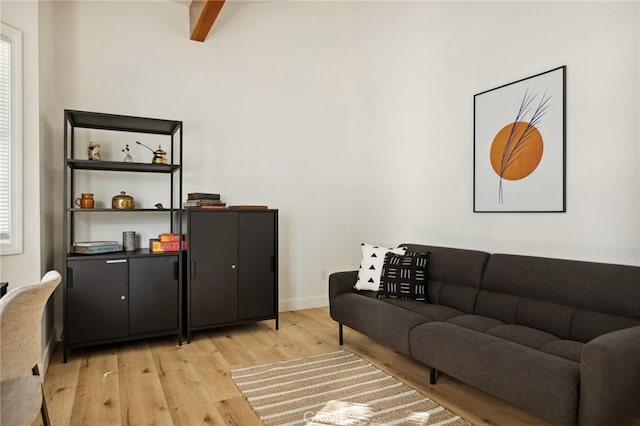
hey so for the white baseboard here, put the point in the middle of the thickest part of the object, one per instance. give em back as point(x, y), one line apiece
point(47, 352)
point(303, 303)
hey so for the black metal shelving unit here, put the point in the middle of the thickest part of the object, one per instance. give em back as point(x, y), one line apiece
point(111, 297)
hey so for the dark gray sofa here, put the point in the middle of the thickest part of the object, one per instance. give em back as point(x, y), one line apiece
point(559, 338)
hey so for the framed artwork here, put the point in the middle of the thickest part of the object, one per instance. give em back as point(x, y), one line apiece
point(519, 146)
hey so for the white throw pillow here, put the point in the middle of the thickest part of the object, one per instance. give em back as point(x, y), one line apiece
point(371, 265)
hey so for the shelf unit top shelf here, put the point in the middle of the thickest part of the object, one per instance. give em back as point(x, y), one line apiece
point(123, 123)
point(121, 166)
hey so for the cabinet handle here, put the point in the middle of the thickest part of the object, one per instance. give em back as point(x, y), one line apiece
point(117, 261)
point(69, 277)
point(233, 266)
point(123, 297)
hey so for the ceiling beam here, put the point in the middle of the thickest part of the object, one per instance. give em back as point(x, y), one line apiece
point(202, 14)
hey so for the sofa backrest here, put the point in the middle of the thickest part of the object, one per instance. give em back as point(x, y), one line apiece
point(454, 275)
point(571, 299)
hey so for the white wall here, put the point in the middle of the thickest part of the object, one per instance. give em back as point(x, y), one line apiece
point(25, 268)
point(355, 118)
point(38, 177)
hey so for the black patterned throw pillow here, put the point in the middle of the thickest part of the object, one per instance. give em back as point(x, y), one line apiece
point(404, 276)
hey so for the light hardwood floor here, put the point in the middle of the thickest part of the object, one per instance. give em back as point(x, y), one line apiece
point(156, 382)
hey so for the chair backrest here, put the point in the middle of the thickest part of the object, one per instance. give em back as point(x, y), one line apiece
point(20, 326)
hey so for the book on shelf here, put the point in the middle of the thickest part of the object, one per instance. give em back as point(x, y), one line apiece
point(168, 237)
point(96, 249)
point(95, 243)
point(157, 246)
point(202, 196)
point(221, 207)
point(248, 207)
point(201, 203)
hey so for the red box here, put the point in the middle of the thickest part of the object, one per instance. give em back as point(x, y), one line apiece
point(157, 246)
point(168, 237)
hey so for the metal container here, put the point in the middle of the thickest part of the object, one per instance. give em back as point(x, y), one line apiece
point(122, 201)
point(129, 240)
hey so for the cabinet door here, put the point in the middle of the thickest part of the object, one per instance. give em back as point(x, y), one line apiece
point(153, 294)
point(256, 274)
point(213, 247)
point(97, 300)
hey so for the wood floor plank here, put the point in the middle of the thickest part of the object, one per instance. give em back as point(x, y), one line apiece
point(97, 399)
point(237, 411)
point(233, 349)
point(142, 398)
point(212, 368)
point(60, 388)
point(188, 400)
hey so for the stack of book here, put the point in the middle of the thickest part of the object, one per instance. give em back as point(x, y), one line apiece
point(204, 200)
point(166, 243)
point(95, 247)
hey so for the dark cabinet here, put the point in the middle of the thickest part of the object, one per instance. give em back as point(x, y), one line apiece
point(97, 300)
point(232, 267)
point(153, 294)
point(213, 247)
point(117, 298)
point(257, 258)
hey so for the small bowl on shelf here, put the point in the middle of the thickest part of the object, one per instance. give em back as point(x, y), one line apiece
point(123, 202)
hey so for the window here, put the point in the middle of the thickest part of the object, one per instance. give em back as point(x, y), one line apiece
point(10, 140)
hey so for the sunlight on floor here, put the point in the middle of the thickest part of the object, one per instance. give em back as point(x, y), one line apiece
point(341, 413)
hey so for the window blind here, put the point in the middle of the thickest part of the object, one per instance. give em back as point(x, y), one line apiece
point(5, 139)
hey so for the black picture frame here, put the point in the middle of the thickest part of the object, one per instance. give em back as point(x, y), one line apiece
point(519, 146)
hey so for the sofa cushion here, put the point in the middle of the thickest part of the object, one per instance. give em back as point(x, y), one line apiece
point(404, 276)
point(384, 322)
point(428, 310)
point(569, 349)
point(588, 325)
point(532, 338)
point(498, 306)
point(544, 383)
point(522, 335)
point(571, 299)
point(551, 317)
point(475, 322)
point(454, 275)
point(371, 265)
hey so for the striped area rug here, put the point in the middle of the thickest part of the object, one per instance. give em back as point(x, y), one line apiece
point(337, 388)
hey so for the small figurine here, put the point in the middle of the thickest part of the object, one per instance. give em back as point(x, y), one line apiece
point(127, 158)
point(94, 151)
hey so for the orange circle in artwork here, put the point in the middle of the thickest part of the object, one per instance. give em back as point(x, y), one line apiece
point(513, 156)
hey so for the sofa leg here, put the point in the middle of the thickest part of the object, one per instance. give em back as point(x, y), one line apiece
point(340, 338)
point(433, 376)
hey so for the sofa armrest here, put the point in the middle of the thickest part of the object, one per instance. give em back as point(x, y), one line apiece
point(610, 378)
point(341, 282)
